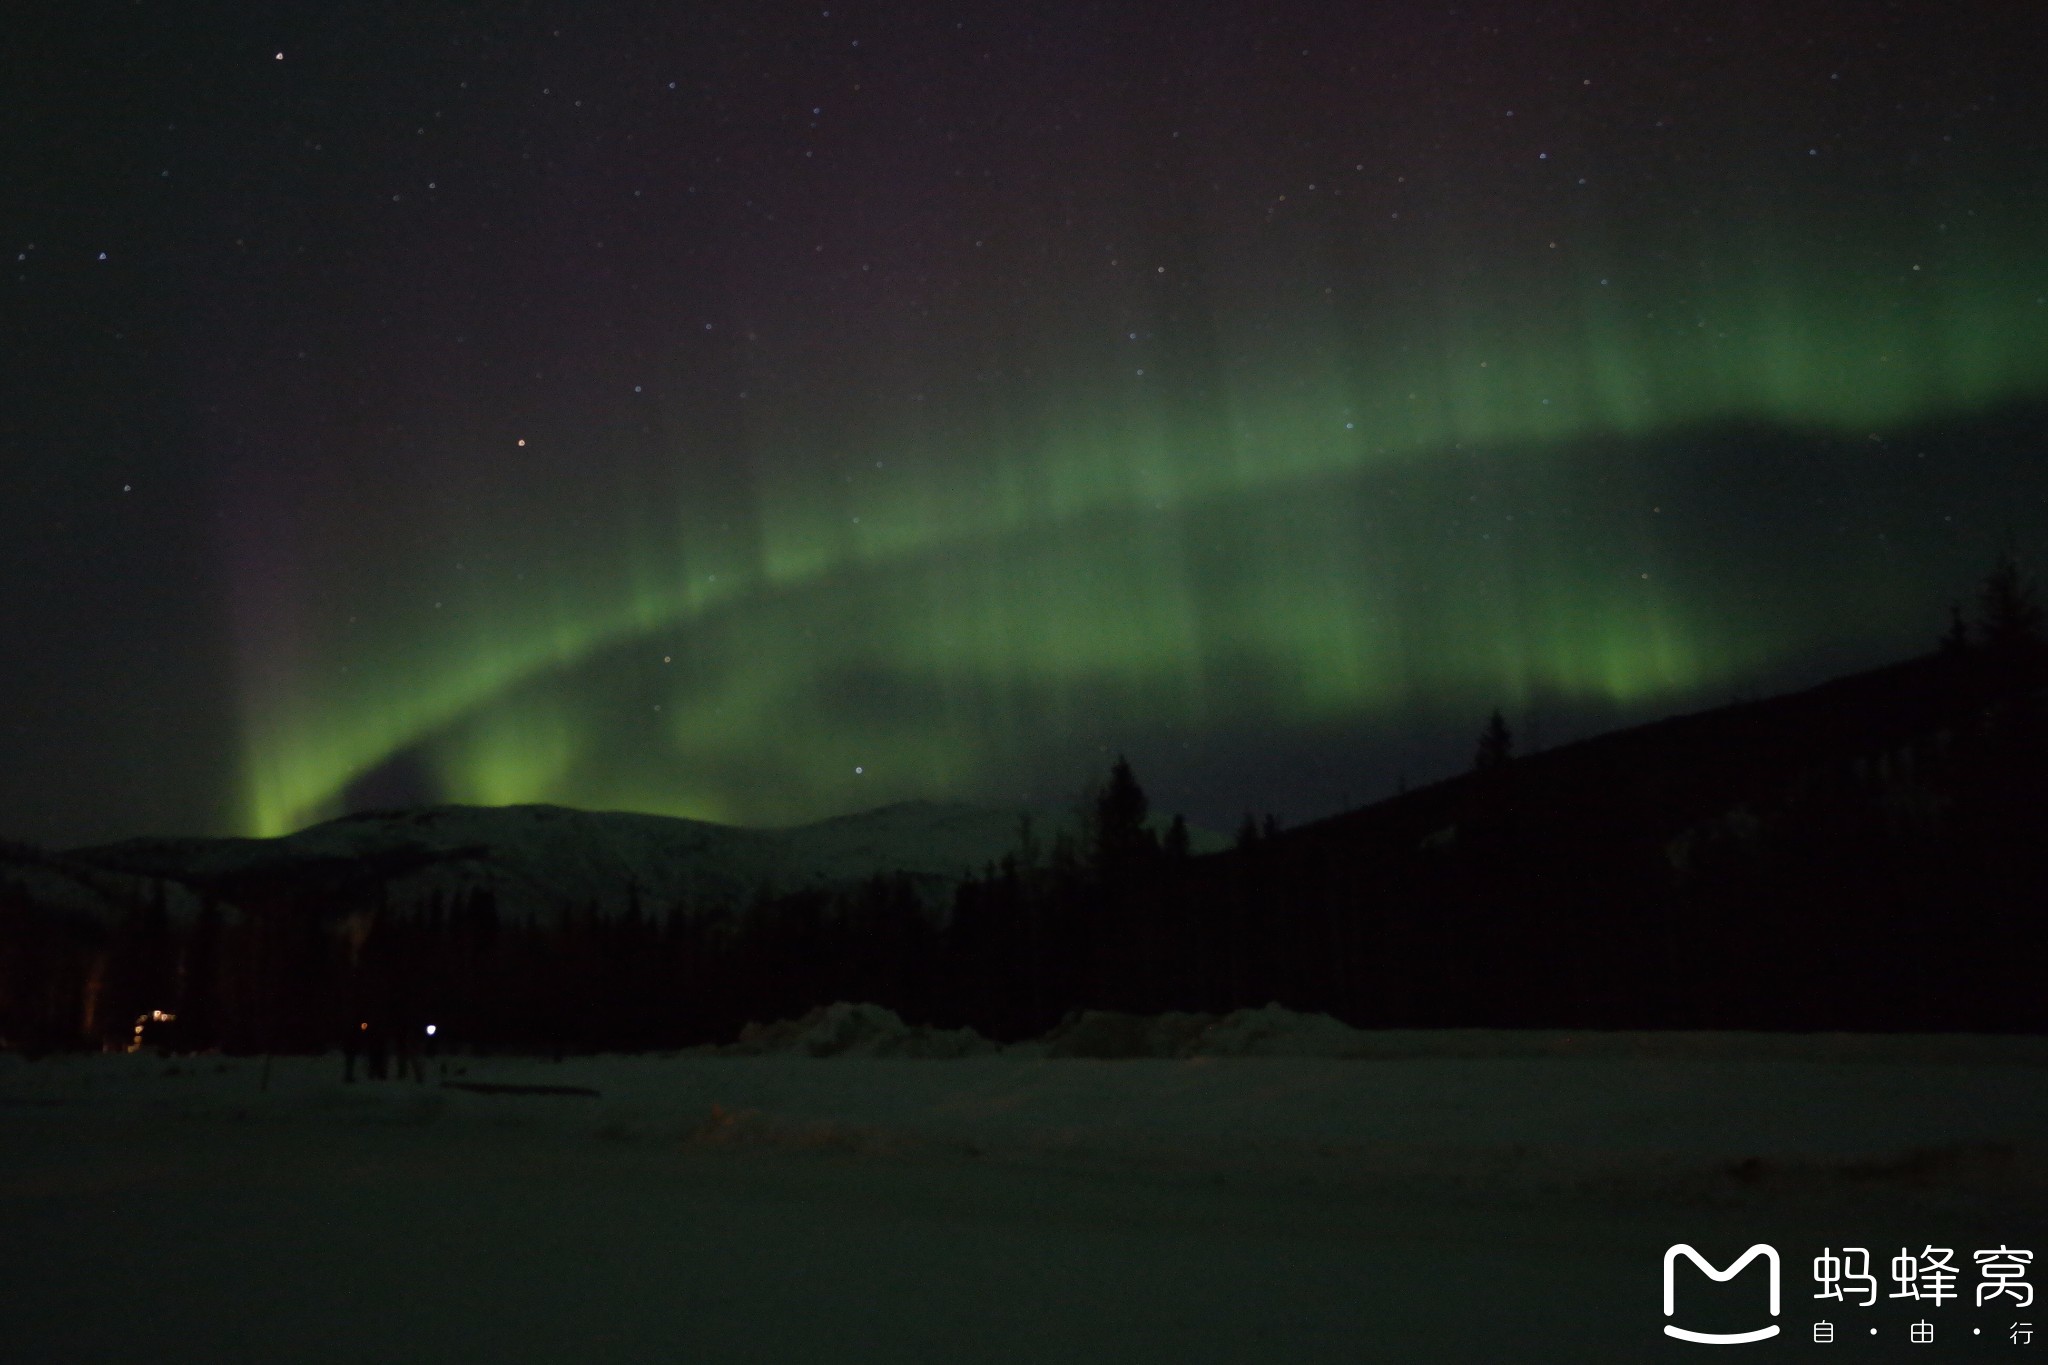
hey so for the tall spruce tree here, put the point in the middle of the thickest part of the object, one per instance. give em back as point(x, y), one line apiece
point(2009, 612)
point(1120, 838)
point(1955, 641)
point(1496, 744)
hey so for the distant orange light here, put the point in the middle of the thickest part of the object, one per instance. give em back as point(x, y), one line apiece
point(363, 1025)
point(143, 1021)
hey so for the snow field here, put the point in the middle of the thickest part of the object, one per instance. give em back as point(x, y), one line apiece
point(1443, 1198)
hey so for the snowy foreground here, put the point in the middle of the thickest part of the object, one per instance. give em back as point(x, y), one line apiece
point(1432, 1197)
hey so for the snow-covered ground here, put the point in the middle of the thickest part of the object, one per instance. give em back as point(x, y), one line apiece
point(1443, 1197)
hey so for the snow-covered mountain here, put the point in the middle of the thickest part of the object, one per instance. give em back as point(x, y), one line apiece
point(539, 859)
point(59, 884)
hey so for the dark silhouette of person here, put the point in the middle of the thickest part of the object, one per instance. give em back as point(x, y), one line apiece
point(409, 1040)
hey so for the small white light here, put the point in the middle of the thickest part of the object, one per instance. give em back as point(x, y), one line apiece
point(430, 1030)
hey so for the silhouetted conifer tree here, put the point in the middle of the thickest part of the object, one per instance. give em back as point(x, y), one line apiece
point(1119, 837)
point(1029, 854)
point(2010, 611)
point(1496, 744)
point(1955, 641)
point(1247, 833)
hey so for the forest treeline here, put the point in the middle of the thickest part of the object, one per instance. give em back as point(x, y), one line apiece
point(1870, 854)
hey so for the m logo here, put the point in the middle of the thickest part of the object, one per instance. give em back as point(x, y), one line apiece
point(1671, 1255)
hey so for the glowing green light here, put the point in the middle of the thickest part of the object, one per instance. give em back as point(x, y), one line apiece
point(1291, 538)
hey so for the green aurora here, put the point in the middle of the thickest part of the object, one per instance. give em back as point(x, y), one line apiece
point(762, 411)
point(1160, 512)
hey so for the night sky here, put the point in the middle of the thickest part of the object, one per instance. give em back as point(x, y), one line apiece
point(759, 412)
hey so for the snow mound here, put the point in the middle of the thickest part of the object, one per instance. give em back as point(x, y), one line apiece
point(850, 1030)
point(1273, 1031)
point(1111, 1034)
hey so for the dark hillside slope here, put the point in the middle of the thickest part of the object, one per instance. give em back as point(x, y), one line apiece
point(1867, 853)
